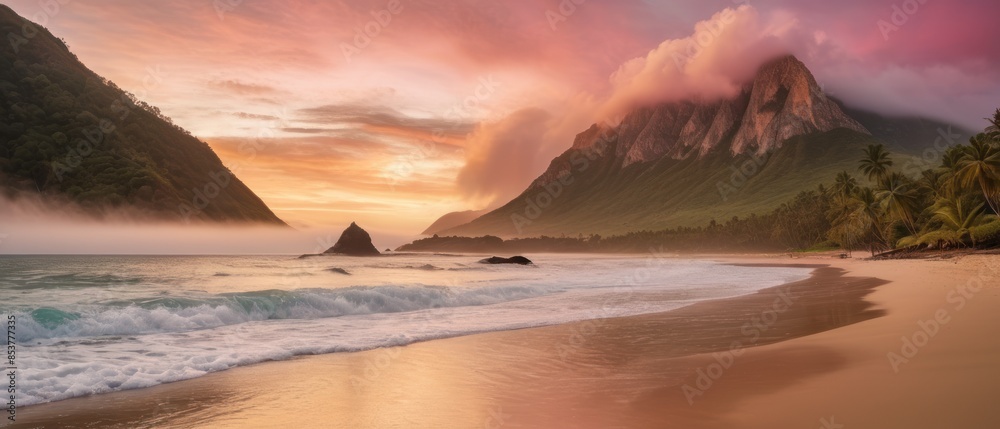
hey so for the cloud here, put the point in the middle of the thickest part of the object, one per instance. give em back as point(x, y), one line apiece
point(31, 225)
point(384, 120)
point(243, 88)
point(381, 117)
point(369, 118)
point(255, 116)
point(321, 181)
point(715, 61)
point(301, 130)
point(502, 157)
point(917, 91)
point(721, 54)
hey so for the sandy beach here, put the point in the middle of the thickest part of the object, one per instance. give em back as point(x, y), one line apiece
point(861, 344)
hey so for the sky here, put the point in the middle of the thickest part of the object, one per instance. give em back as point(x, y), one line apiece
point(395, 112)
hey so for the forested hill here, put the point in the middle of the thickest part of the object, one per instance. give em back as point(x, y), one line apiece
point(68, 134)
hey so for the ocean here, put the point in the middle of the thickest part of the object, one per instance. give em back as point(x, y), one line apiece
point(94, 324)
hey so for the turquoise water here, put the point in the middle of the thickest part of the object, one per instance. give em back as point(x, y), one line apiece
point(94, 324)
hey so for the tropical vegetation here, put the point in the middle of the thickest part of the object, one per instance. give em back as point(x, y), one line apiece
point(68, 135)
point(951, 205)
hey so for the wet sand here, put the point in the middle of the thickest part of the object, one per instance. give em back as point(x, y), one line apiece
point(808, 354)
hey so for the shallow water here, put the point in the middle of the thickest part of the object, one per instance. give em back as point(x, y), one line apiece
point(93, 324)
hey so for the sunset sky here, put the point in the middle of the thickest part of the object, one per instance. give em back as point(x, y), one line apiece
point(456, 105)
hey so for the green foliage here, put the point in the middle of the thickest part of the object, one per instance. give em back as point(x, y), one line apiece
point(940, 239)
point(987, 233)
point(980, 166)
point(605, 198)
point(800, 223)
point(960, 213)
point(952, 205)
point(876, 162)
point(994, 129)
point(945, 207)
point(899, 199)
point(66, 132)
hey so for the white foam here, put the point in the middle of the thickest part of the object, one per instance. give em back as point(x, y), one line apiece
point(91, 320)
point(117, 346)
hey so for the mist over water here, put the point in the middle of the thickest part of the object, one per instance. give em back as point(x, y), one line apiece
point(172, 302)
point(29, 226)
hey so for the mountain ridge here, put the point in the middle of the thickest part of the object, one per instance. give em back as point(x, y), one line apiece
point(68, 134)
point(453, 219)
point(685, 163)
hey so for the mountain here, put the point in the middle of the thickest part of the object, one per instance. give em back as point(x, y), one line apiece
point(689, 162)
point(912, 135)
point(452, 220)
point(69, 135)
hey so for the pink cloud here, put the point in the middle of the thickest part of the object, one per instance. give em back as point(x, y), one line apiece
point(502, 156)
point(720, 55)
point(600, 59)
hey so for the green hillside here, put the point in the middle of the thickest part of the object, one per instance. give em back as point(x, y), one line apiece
point(68, 134)
point(910, 134)
point(688, 163)
point(604, 199)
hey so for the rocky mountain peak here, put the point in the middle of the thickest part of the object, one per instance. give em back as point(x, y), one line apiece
point(785, 101)
point(782, 101)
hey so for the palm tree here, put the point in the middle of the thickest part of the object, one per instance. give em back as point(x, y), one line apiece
point(845, 185)
point(869, 214)
point(846, 225)
point(958, 214)
point(961, 213)
point(935, 182)
point(980, 164)
point(899, 199)
point(994, 129)
point(876, 162)
point(952, 158)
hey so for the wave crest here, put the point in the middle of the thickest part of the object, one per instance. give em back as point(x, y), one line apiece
point(156, 315)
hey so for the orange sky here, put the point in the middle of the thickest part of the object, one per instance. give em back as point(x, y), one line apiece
point(453, 105)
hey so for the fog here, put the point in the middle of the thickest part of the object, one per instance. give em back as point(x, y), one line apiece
point(29, 226)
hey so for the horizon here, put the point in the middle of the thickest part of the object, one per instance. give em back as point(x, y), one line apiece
point(371, 134)
point(488, 213)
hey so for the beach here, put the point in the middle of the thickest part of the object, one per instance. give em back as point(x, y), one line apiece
point(880, 344)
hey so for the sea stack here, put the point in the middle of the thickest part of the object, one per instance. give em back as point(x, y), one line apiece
point(354, 241)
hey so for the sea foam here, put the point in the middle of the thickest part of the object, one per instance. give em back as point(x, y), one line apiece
point(175, 320)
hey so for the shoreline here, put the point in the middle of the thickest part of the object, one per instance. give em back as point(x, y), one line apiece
point(636, 371)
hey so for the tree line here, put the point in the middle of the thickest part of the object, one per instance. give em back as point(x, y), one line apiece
point(951, 205)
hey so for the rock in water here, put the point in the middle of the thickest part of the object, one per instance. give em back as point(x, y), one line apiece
point(354, 242)
point(521, 260)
